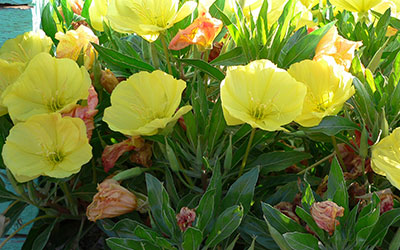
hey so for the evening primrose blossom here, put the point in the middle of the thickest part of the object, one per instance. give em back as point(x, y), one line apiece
point(48, 145)
point(145, 103)
point(47, 85)
point(261, 95)
point(147, 18)
point(98, 13)
point(14, 56)
point(360, 6)
point(385, 158)
point(328, 88)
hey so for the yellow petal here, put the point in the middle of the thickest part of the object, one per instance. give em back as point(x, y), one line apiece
point(360, 6)
point(97, 13)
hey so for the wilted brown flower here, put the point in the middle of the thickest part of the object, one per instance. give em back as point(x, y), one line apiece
point(143, 155)
point(108, 80)
point(325, 213)
point(185, 218)
point(111, 201)
point(287, 209)
point(355, 191)
point(386, 202)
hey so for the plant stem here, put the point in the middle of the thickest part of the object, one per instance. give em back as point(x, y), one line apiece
point(246, 154)
point(164, 44)
point(22, 227)
point(317, 163)
point(9, 207)
point(154, 55)
point(71, 202)
point(339, 156)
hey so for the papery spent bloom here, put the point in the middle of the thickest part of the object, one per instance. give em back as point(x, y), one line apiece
point(325, 214)
point(262, 95)
point(386, 203)
point(287, 209)
point(328, 88)
point(76, 42)
point(98, 13)
point(145, 103)
point(201, 32)
point(360, 6)
point(86, 112)
point(185, 218)
point(48, 145)
point(385, 158)
point(14, 56)
point(147, 18)
point(111, 200)
point(47, 85)
point(142, 155)
point(337, 47)
point(112, 153)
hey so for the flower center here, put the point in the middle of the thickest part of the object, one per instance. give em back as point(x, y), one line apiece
point(56, 103)
point(55, 157)
point(324, 101)
point(260, 111)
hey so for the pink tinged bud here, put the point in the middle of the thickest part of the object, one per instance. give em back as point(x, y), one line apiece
point(325, 213)
point(386, 203)
point(112, 200)
point(112, 153)
point(185, 218)
point(86, 113)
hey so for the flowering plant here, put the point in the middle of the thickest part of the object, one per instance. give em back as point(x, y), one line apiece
point(211, 124)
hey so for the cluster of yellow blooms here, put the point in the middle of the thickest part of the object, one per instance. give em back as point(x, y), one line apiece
point(36, 89)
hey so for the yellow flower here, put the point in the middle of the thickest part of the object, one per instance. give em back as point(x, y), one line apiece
point(310, 3)
point(275, 10)
point(9, 73)
point(15, 54)
point(46, 145)
point(261, 95)
point(248, 6)
point(26, 46)
point(74, 42)
point(337, 47)
point(360, 6)
point(112, 200)
point(47, 85)
point(147, 18)
point(328, 88)
point(145, 103)
point(97, 13)
point(385, 158)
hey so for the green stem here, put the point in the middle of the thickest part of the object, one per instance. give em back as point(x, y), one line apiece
point(71, 202)
point(246, 154)
point(22, 227)
point(339, 156)
point(317, 163)
point(154, 56)
point(164, 44)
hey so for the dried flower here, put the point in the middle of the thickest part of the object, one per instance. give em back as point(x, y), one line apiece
point(185, 218)
point(287, 209)
point(142, 155)
point(108, 80)
point(386, 203)
point(111, 200)
point(325, 213)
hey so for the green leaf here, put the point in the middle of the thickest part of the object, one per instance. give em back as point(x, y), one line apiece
point(43, 237)
point(121, 60)
point(192, 239)
point(278, 238)
point(173, 161)
point(129, 244)
point(217, 125)
point(124, 228)
point(241, 192)
point(305, 47)
point(301, 241)
point(48, 24)
point(381, 228)
point(205, 210)
point(308, 198)
point(85, 10)
point(307, 218)
point(230, 58)
point(332, 125)
point(252, 227)
point(337, 190)
point(205, 67)
point(279, 221)
point(364, 227)
point(277, 161)
point(225, 225)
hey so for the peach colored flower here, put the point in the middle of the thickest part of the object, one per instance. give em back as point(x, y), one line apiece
point(111, 200)
point(185, 218)
point(325, 213)
point(201, 32)
point(112, 153)
point(337, 47)
point(86, 113)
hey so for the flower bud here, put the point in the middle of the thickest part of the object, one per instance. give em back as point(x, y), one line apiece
point(325, 213)
point(108, 80)
point(185, 218)
point(111, 200)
